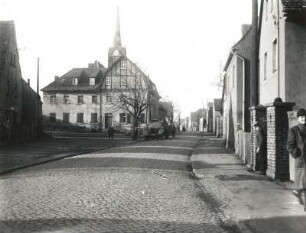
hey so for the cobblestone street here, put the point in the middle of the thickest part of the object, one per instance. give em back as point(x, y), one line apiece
point(145, 187)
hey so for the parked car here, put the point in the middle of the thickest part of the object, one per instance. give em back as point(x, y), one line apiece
point(156, 130)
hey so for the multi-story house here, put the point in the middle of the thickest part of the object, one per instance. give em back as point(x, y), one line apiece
point(19, 119)
point(282, 67)
point(90, 98)
point(282, 51)
point(236, 95)
point(72, 101)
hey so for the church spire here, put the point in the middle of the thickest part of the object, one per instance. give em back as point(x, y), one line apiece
point(117, 40)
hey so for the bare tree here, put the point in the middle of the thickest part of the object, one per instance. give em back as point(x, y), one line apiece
point(132, 97)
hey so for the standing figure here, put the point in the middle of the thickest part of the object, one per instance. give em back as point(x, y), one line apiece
point(173, 130)
point(111, 133)
point(260, 153)
point(296, 148)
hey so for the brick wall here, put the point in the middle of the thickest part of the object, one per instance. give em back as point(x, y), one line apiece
point(277, 131)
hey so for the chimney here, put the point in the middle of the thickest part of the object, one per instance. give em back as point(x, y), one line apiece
point(29, 82)
point(56, 78)
point(245, 28)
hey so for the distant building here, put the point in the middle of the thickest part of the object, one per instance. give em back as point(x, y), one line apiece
point(166, 111)
point(85, 98)
point(217, 118)
point(20, 106)
point(209, 117)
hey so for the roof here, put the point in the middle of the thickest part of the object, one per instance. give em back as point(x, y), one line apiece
point(151, 86)
point(295, 11)
point(64, 83)
point(294, 5)
point(7, 33)
point(238, 47)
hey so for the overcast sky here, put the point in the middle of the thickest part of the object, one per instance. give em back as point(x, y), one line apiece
point(178, 43)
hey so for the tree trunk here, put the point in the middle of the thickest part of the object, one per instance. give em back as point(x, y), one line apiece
point(135, 129)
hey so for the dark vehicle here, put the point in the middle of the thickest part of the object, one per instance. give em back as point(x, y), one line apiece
point(155, 130)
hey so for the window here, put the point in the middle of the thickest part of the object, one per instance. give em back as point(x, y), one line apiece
point(92, 81)
point(52, 117)
point(94, 99)
point(53, 99)
point(274, 55)
point(108, 82)
point(123, 64)
point(66, 99)
point(137, 81)
point(66, 117)
point(123, 82)
point(80, 99)
point(265, 66)
point(108, 98)
point(125, 118)
point(142, 118)
point(94, 118)
point(122, 117)
point(75, 81)
point(128, 116)
point(80, 118)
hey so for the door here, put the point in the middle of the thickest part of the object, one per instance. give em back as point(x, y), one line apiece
point(108, 120)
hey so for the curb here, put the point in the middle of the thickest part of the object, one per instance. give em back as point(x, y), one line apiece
point(228, 223)
point(55, 158)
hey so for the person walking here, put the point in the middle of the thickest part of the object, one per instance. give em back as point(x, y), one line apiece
point(111, 133)
point(297, 149)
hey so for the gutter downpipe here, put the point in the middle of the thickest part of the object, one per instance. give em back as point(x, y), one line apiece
point(254, 89)
point(278, 51)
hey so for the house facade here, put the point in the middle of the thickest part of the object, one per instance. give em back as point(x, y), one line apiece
point(18, 118)
point(282, 53)
point(236, 96)
point(72, 101)
point(282, 65)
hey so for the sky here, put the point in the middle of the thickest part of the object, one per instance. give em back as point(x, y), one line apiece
point(181, 44)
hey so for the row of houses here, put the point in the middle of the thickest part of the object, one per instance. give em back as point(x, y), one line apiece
point(20, 105)
point(264, 81)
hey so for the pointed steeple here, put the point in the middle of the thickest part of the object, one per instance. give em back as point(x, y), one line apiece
point(117, 39)
point(117, 51)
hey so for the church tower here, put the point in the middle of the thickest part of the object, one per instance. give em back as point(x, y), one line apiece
point(117, 50)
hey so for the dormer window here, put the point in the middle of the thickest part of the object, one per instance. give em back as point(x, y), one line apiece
point(75, 81)
point(92, 81)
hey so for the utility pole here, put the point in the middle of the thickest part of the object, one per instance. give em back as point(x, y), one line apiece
point(38, 117)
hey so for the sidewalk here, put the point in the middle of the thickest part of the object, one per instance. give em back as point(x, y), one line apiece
point(256, 203)
point(59, 146)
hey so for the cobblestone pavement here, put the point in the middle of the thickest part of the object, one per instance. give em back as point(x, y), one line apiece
point(145, 187)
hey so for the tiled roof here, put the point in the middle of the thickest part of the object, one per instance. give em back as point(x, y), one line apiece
point(294, 5)
point(64, 83)
point(295, 11)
